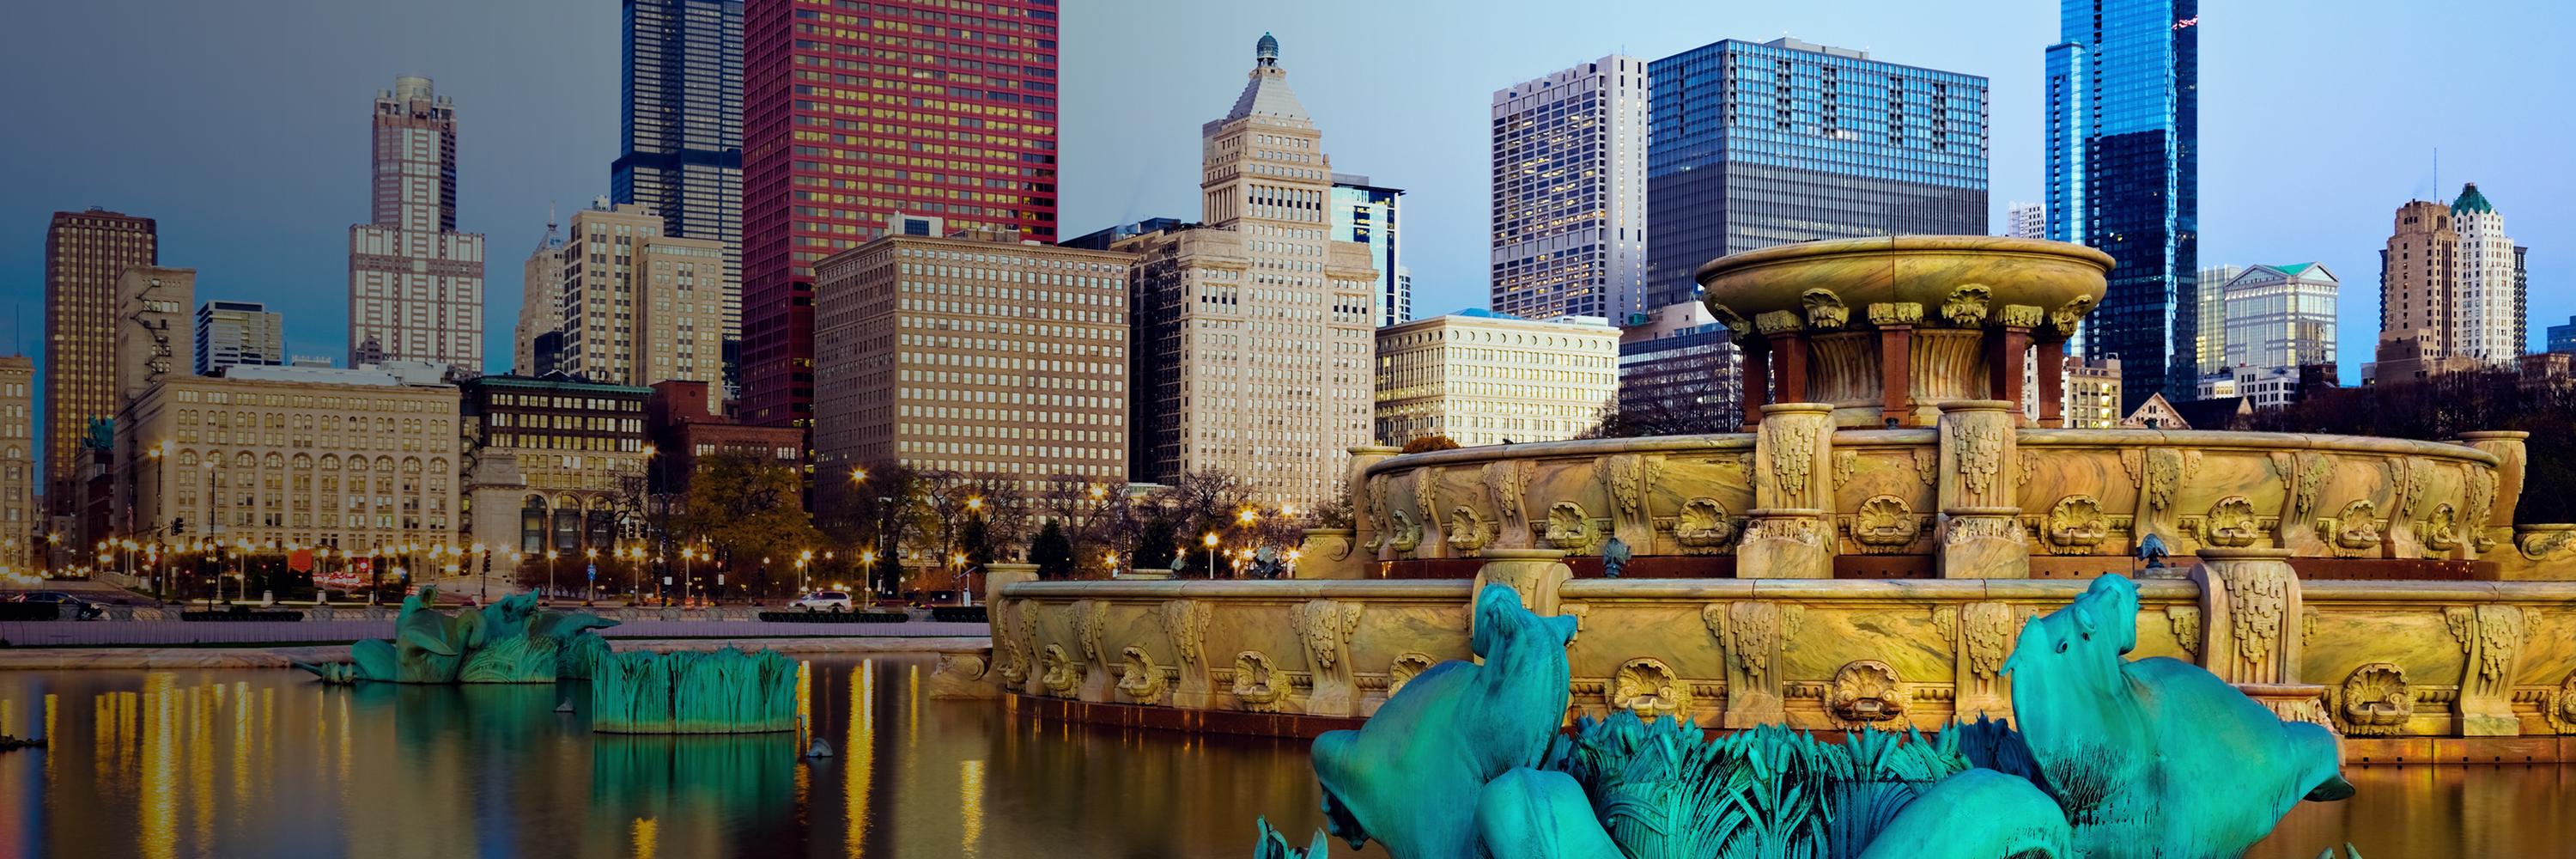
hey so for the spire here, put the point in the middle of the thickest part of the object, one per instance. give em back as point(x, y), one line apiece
point(1265, 53)
point(1268, 94)
point(2471, 201)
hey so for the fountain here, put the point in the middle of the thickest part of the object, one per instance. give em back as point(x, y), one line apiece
point(2112, 758)
point(1862, 556)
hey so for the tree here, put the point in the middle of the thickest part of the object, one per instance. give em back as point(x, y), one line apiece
point(882, 510)
point(975, 542)
point(1431, 442)
point(1154, 544)
point(747, 506)
point(1052, 551)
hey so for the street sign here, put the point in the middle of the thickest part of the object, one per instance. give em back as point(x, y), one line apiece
point(666, 580)
point(300, 560)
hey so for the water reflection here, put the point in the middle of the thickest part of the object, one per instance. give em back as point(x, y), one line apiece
point(267, 763)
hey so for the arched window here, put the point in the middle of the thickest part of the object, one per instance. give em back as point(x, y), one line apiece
point(303, 462)
point(330, 462)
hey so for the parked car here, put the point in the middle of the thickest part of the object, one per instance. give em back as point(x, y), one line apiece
point(79, 608)
point(823, 601)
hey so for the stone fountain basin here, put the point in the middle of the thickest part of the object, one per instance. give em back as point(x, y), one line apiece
point(1927, 271)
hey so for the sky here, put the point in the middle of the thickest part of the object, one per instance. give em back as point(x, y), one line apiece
point(242, 126)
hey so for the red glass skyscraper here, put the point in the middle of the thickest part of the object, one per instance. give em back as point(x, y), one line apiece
point(855, 112)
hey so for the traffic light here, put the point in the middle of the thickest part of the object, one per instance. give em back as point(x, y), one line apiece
point(178, 524)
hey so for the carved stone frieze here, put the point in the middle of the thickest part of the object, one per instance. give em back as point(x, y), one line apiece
point(2478, 505)
point(1981, 453)
point(1257, 684)
point(2418, 473)
point(2075, 524)
point(1866, 691)
point(1895, 313)
point(2492, 638)
point(2134, 461)
point(1569, 528)
point(1846, 463)
point(1964, 529)
point(1404, 668)
point(1927, 465)
point(2353, 531)
point(1062, 675)
point(1989, 630)
point(1885, 523)
point(2167, 469)
point(1649, 687)
point(1825, 310)
point(1778, 322)
point(2185, 621)
point(2231, 522)
point(1009, 648)
point(1508, 481)
point(2375, 701)
point(1325, 628)
point(2022, 316)
point(1381, 527)
point(2067, 316)
point(1138, 678)
point(1793, 456)
point(1802, 531)
point(2546, 544)
point(1966, 306)
point(2257, 599)
point(1026, 631)
point(1185, 623)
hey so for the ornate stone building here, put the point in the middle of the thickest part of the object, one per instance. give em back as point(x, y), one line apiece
point(1253, 331)
point(1483, 378)
point(21, 524)
point(553, 463)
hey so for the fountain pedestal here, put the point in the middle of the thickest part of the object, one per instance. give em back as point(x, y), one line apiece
point(1789, 534)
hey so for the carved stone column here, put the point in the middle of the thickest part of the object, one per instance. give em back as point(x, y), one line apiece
point(2492, 637)
point(2252, 624)
point(1753, 635)
point(1757, 381)
point(2052, 383)
point(1325, 628)
point(1788, 336)
point(2003, 350)
point(1367, 504)
point(1981, 536)
point(1185, 623)
point(1981, 636)
point(2506, 488)
point(1535, 573)
point(1895, 323)
point(1789, 533)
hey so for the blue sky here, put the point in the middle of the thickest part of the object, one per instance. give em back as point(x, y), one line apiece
point(242, 125)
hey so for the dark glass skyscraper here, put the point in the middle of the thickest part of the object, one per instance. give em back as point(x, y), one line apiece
point(2123, 176)
point(1759, 144)
point(681, 133)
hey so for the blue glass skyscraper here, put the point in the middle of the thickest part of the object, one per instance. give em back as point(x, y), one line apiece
point(2123, 176)
point(680, 134)
point(1759, 144)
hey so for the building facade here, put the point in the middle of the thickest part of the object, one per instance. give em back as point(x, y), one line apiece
point(415, 283)
point(2209, 328)
point(638, 306)
point(975, 357)
point(553, 464)
point(2562, 338)
point(1365, 213)
point(1677, 368)
point(152, 331)
point(855, 113)
point(1569, 187)
point(1483, 378)
point(1252, 332)
point(2026, 220)
point(2123, 175)
point(1756, 144)
point(238, 332)
point(540, 307)
point(683, 430)
point(2490, 304)
point(2280, 317)
point(352, 459)
point(680, 134)
point(22, 525)
point(2093, 395)
point(2418, 297)
point(85, 255)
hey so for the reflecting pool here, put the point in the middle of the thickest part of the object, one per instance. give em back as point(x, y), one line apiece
point(270, 763)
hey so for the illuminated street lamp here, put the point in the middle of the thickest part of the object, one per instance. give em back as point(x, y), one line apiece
point(590, 581)
point(1209, 539)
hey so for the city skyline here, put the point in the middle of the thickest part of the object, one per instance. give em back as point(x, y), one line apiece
point(272, 228)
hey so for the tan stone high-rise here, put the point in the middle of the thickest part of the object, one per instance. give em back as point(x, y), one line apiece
point(415, 283)
point(154, 337)
point(21, 525)
point(1484, 378)
point(540, 304)
point(85, 253)
point(1253, 331)
point(641, 307)
point(2418, 298)
point(972, 356)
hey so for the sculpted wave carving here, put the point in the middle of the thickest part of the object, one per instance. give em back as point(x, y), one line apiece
point(1325, 627)
point(2313, 468)
point(2354, 530)
point(1805, 532)
point(1927, 465)
point(2075, 524)
point(1846, 463)
point(1965, 529)
point(2167, 468)
point(1866, 691)
point(1509, 481)
point(1062, 674)
point(1624, 475)
point(1380, 524)
point(1569, 528)
point(2256, 602)
point(1649, 687)
point(1404, 668)
point(1013, 655)
point(1425, 497)
point(1138, 678)
point(2185, 621)
point(1257, 684)
point(2375, 701)
point(1966, 306)
point(1825, 310)
point(1468, 532)
point(1981, 453)
point(1884, 523)
point(1793, 456)
point(2419, 479)
point(2440, 531)
point(2479, 504)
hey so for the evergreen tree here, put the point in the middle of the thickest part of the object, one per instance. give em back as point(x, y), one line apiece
point(976, 541)
point(1154, 547)
point(1052, 551)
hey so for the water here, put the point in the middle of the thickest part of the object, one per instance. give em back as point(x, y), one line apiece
point(268, 763)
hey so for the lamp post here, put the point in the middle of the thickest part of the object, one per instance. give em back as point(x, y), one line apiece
point(957, 572)
point(590, 581)
point(688, 583)
point(1209, 539)
point(868, 561)
point(482, 557)
point(802, 558)
point(550, 574)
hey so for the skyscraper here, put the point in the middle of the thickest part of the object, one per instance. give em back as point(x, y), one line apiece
point(1759, 144)
point(2489, 310)
point(1366, 213)
point(1252, 331)
point(238, 332)
point(415, 283)
point(1569, 186)
point(2209, 329)
point(680, 153)
point(2026, 220)
point(152, 332)
point(19, 518)
point(540, 307)
point(2279, 317)
point(85, 254)
point(640, 307)
point(853, 114)
point(2123, 175)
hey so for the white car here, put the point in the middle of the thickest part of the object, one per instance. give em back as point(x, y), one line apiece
point(823, 601)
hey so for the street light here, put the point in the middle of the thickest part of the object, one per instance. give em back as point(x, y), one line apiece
point(687, 584)
point(868, 559)
point(1210, 540)
point(957, 572)
point(590, 581)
